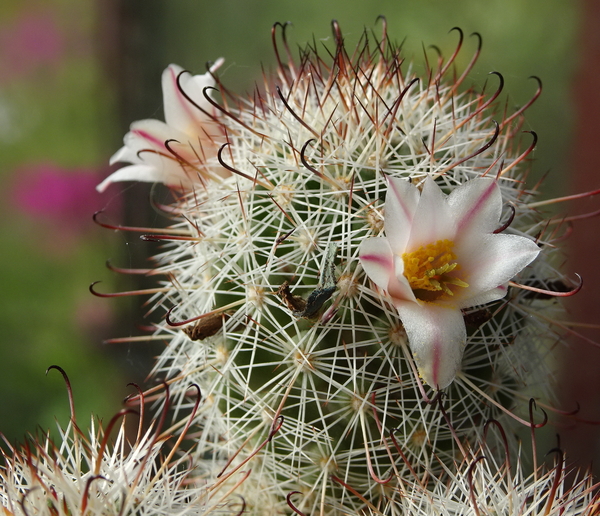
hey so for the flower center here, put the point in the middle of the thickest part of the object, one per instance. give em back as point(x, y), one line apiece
point(430, 270)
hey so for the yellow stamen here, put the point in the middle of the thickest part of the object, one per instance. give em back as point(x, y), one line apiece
point(428, 270)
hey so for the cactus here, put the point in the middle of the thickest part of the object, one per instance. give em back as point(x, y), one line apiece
point(358, 280)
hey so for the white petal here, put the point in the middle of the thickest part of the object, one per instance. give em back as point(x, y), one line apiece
point(180, 113)
point(152, 132)
point(378, 262)
point(400, 204)
point(490, 261)
point(124, 155)
point(432, 219)
point(146, 135)
point(476, 206)
point(437, 338)
point(483, 298)
point(196, 85)
point(150, 135)
point(133, 173)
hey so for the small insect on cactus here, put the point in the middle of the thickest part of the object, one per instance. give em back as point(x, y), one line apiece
point(356, 262)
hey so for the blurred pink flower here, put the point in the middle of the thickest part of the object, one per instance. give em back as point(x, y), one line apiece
point(30, 40)
point(61, 201)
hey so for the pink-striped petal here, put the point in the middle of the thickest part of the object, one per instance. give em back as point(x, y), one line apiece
point(151, 160)
point(491, 260)
point(380, 265)
point(432, 219)
point(476, 206)
point(400, 205)
point(437, 338)
point(180, 113)
point(146, 135)
point(377, 260)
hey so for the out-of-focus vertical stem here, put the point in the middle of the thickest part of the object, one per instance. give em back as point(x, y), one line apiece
point(131, 37)
point(581, 374)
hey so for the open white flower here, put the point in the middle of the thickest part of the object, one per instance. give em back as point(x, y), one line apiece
point(190, 128)
point(440, 255)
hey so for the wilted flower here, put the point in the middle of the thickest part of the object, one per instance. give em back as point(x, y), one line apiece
point(176, 151)
point(439, 256)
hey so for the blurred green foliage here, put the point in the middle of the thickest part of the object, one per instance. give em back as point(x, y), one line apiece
point(65, 113)
point(52, 115)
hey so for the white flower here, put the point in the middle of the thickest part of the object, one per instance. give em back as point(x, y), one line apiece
point(440, 255)
point(190, 122)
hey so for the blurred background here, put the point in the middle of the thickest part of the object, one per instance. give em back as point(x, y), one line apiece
point(75, 73)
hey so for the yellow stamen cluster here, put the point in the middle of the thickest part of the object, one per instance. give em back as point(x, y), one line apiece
point(429, 267)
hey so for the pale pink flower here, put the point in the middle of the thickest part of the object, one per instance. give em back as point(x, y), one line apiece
point(440, 255)
point(174, 152)
point(58, 201)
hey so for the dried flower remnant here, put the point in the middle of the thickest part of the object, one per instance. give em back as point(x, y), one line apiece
point(312, 401)
point(206, 327)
